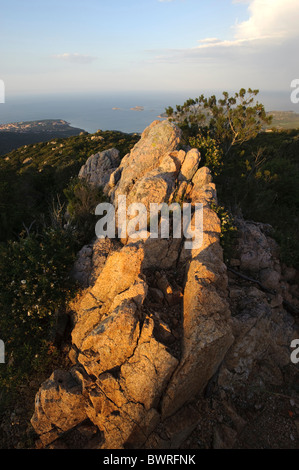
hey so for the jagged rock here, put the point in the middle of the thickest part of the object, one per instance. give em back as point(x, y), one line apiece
point(158, 141)
point(99, 167)
point(161, 253)
point(270, 278)
point(190, 165)
point(59, 405)
point(207, 336)
point(154, 187)
point(276, 301)
point(138, 373)
point(179, 156)
point(113, 180)
point(262, 338)
point(152, 326)
point(119, 274)
point(145, 375)
point(254, 247)
point(90, 261)
point(203, 188)
point(98, 351)
point(202, 177)
point(121, 420)
point(263, 330)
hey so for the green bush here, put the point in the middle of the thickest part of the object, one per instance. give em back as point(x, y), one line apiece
point(82, 200)
point(231, 120)
point(228, 230)
point(34, 287)
point(210, 152)
point(261, 179)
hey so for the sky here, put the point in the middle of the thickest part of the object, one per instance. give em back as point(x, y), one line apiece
point(58, 46)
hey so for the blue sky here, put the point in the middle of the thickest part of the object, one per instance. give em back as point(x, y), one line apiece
point(108, 45)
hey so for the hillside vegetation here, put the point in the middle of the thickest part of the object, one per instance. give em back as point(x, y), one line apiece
point(32, 176)
point(256, 172)
point(38, 244)
point(17, 134)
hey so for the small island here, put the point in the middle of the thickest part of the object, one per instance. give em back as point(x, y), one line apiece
point(137, 108)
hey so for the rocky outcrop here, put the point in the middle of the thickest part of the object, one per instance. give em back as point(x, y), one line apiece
point(259, 296)
point(153, 323)
point(99, 167)
point(153, 326)
point(156, 143)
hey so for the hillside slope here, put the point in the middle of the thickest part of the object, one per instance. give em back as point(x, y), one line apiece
point(18, 134)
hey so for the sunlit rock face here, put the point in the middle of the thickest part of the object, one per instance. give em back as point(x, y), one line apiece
point(152, 324)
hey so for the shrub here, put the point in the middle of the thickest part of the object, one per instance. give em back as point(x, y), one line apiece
point(82, 200)
point(210, 152)
point(231, 120)
point(34, 287)
point(228, 230)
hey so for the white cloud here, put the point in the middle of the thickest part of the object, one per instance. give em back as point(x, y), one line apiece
point(209, 40)
point(75, 58)
point(270, 18)
point(262, 49)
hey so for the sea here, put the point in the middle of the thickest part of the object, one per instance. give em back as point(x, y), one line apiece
point(123, 111)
